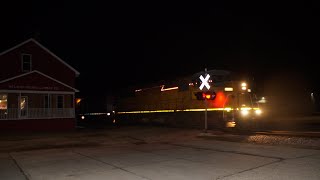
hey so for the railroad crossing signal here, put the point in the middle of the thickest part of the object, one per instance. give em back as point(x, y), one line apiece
point(204, 82)
point(205, 95)
point(199, 95)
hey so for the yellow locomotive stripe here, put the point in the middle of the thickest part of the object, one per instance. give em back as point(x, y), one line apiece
point(184, 110)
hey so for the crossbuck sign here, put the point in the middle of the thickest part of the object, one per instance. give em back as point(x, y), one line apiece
point(204, 82)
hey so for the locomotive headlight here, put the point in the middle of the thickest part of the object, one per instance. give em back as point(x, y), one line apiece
point(244, 86)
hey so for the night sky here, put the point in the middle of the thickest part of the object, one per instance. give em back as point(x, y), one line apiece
point(116, 45)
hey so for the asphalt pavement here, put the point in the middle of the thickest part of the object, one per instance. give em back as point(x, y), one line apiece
point(152, 153)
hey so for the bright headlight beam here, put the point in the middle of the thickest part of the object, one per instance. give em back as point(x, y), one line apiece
point(244, 112)
point(258, 111)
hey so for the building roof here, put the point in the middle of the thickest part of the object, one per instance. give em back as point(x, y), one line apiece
point(44, 48)
point(38, 72)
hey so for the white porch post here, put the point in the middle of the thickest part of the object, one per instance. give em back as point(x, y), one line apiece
point(48, 105)
point(74, 107)
point(19, 105)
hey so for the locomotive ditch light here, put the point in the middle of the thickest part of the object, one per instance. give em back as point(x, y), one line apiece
point(244, 112)
point(258, 111)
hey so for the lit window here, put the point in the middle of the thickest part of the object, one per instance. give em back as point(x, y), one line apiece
point(23, 103)
point(3, 101)
point(23, 106)
point(26, 62)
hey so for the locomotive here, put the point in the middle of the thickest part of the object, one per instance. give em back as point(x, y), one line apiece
point(229, 102)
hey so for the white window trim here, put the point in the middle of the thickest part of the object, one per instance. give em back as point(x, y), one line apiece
point(23, 54)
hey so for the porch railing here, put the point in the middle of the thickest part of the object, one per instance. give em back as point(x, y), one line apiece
point(36, 113)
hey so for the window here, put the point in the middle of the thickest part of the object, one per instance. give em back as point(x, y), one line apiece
point(245, 99)
point(3, 101)
point(26, 62)
point(23, 106)
point(60, 102)
point(46, 101)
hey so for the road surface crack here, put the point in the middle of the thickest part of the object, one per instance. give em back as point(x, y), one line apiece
point(116, 167)
point(19, 167)
point(226, 151)
point(277, 161)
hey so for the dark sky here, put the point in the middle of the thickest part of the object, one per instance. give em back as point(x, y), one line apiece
point(115, 45)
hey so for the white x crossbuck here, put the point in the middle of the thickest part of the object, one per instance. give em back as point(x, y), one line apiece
point(204, 82)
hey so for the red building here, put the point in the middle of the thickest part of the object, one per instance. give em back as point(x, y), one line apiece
point(37, 89)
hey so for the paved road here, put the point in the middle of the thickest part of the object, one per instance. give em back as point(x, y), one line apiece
point(292, 123)
point(158, 153)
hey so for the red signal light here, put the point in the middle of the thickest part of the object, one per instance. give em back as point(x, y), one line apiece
point(210, 95)
point(205, 95)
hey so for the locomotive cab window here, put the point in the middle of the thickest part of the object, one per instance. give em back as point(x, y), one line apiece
point(245, 100)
